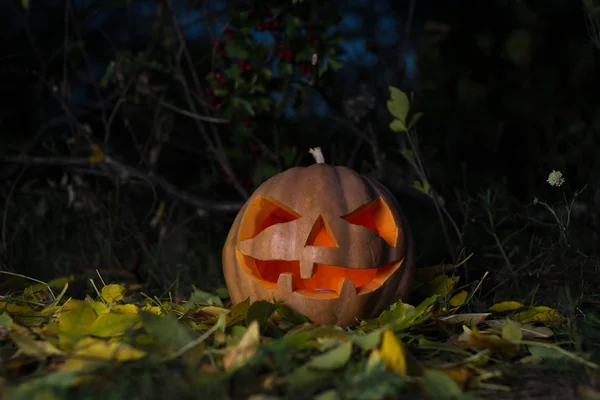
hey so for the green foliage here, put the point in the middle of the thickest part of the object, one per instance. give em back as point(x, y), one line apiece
point(369, 361)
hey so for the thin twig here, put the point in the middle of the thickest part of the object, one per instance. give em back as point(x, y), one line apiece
point(217, 152)
point(202, 204)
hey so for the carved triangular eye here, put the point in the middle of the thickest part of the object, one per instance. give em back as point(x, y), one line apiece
point(377, 217)
point(261, 214)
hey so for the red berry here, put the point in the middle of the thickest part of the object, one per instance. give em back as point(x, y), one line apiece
point(275, 24)
point(220, 78)
point(242, 63)
point(209, 91)
point(229, 180)
point(218, 106)
point(248, 67)
point(261, 28)
point(269, 13)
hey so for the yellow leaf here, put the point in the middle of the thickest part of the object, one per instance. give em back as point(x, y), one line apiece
point(97, 154)
point(113, 292)
point(152, 309)
point(125, 308)
point(38, 349)
point(99, 307)
point(75, 317)
point(214, 310)
point(538, 314)
point(460, 375)
point(113, 324)
point(481, 341)
point(91, 351)
point(392, 352)
point(239, 354)
point(511, 331)
point(506, 306)
point(24, 315)
point(459, 298)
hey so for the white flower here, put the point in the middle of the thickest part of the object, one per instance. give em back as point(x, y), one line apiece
point(555, 178)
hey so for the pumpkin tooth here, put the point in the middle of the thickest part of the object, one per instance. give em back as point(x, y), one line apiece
point(285, 283)
point(307, 269)
point(346, 289)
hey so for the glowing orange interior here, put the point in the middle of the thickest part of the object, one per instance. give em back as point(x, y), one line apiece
point(377, 217)
point(326, 280)
point(325, 277)
point(261, 214)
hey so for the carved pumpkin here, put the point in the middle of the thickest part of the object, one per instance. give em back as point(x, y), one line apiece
point(334, 245)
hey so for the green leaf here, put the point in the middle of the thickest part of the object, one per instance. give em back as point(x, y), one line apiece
point(239, 103)
point(439, 385)
point(332, 359)
point(201, 298)
point(398, 105)
point(367, 341)
point(238, 313)
point(5, 320)
point(112, 324)
point(166, 330)
point(414, 119)
point(260, 311)
point(285, 69)
point(236, 49)
point(335, 63)
point(510, 331)
point(409, 315)
point(546, 352)
point(398, 126)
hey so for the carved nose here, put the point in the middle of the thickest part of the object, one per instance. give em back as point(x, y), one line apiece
point(320, 234)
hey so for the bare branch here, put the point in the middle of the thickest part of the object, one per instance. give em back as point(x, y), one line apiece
point(203, 205)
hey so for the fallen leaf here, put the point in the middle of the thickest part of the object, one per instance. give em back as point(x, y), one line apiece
point(480, 341)
point(392, 352)
point(529, 331)
point(332, 359)
point(113, 324)
point(469, 319)
point(113, 292)
point(367, 341)
point(27, 344)
point(538, 314)
point(459, 298)
point(75, 317)
point(89, 351)
point(511, 331)
point(438, 385)
point(238, 355)
point(506, 306)
point(460, 375)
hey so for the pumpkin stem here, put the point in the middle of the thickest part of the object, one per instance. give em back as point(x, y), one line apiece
point(318, 155)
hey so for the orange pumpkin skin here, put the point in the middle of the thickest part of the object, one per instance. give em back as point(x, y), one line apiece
point(333, 245)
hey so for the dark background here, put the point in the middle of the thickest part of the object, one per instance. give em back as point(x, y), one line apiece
point(508, 90)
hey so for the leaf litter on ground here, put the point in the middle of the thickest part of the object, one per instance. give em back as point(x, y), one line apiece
point(52, 344)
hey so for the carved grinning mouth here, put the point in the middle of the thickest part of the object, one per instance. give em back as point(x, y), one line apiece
point(326, 282)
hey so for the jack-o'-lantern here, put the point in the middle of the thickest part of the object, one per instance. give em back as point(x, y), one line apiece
point(330, 243)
